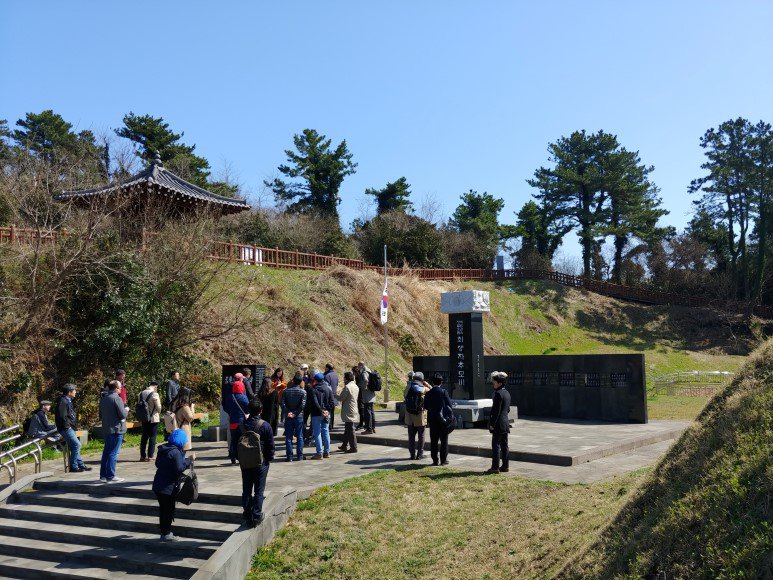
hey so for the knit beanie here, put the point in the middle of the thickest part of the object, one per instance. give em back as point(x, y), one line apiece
point(178, 438)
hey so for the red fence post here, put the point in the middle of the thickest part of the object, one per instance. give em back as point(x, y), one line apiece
point(13, 232)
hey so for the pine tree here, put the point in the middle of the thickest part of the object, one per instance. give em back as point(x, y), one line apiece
point(478, 214)
point(394, 196)
point(152, 135)
point(320, 171)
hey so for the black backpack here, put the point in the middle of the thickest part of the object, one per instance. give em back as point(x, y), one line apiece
point(249, 450)
point(142, 409)
point(414, 401)
point(374, 381)
point(187, 489)
point(26, 425)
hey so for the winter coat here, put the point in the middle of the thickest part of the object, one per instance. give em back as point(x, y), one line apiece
point(184, 415)
point(348, 398)
point(435, 400)
point(236, 409)
point(65, 417)
point(294, 400)
point(113, 413)
point(419, 420)
point(170, 463)
point(362, 379)
point(321, 399)
point(39, 425)
point(172, 388)
point(154, 404)
point(268, 413)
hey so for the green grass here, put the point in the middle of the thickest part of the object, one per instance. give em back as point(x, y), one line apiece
point(705, 510)
point(667, 407)
point(438, 523)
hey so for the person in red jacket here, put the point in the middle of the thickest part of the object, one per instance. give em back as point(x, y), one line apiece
point(120, 376)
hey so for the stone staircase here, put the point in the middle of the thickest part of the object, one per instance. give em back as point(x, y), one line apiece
point(69, 529)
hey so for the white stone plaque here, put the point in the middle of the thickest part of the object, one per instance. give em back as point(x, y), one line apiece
point(465, 301)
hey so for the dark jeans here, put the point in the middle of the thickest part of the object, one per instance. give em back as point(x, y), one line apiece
point(232, 444)
point(74, 448)
point(110, 455)
point(350, 437)
point(294, 427)
point(148, 441)
point(370, 420)
point(360, 410)
point(500, 448)
point(253, 487)
point(165, 512)
point(413, 449)
point(438, 435)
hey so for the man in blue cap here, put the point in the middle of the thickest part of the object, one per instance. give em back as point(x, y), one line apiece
point(322, 407)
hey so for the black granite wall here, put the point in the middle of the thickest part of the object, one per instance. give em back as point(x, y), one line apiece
point(606, 387)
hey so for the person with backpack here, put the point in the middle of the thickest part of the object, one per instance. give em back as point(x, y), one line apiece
point(148, 412)
point(438, 406)
point(113, 413)
point(269, 399)
point(37, 425)
point(171, 462)
point(235, 404)
point(255, 451)
point(348, 399)
point(415, 414)
point(293, 407)
point(499, 424)
point(363, 381)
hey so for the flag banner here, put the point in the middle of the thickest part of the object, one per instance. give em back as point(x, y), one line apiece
point(384, 305)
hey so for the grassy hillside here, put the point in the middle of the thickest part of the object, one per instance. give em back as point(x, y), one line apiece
point(317, 317)
point(705, 511)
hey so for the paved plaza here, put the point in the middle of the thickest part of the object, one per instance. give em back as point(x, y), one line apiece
point(599, 451)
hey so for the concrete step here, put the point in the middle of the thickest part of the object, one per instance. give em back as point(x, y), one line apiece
point(183, 527)
point(106, 538)
point(125, 490)
point(130, 506)
point(35, 568)
point(124, 557)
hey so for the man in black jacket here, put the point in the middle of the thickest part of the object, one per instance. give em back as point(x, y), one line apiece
point(499, 424)
point(322, 406)
point(66, 424)
point(437, 402)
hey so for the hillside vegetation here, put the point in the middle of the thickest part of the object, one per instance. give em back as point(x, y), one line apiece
point(705, 510)
point(317, 317)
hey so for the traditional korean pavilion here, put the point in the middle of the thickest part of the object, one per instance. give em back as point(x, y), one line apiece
point(157, 186)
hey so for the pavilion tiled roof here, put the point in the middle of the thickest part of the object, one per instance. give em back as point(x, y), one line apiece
point(158, 177)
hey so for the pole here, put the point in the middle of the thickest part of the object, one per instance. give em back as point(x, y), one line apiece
point(386, 351)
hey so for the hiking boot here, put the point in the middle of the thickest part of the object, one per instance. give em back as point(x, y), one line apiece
point(504, 469)
point(350, 451)
point(491, 471)
point(317, 456)
point(85, 468)
point(326, 455)
point(367, 432)
point(342, 448)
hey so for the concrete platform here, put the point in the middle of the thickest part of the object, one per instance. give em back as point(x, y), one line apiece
point(547, 441)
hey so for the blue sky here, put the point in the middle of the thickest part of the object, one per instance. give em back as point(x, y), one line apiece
point(452, 95)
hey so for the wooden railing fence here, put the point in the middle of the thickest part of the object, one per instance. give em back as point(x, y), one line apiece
point(276, 258)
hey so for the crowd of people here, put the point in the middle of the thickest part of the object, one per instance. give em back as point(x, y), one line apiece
point(305, 405)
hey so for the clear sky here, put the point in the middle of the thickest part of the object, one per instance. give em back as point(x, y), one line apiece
point(452, 95)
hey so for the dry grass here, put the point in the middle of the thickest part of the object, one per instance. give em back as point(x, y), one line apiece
point(439, 523)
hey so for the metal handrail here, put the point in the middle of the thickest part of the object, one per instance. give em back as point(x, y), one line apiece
point(11, 428)
point(32, 447)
